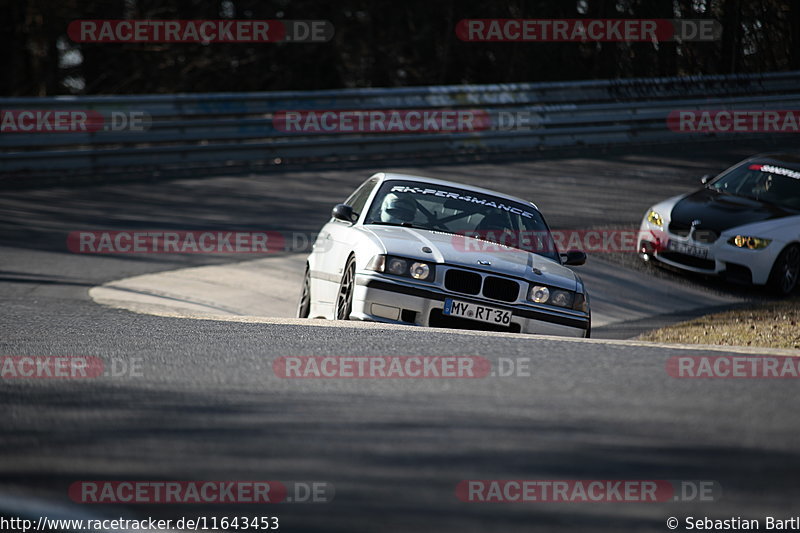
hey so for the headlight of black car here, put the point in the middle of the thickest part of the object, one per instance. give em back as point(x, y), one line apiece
point(401, 266)
point(751, 243)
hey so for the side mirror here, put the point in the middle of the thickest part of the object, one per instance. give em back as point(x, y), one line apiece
point(343, 212)
point(705, 178)
point(573, 258)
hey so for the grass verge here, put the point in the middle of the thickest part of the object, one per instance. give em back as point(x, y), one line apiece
point(772, 325)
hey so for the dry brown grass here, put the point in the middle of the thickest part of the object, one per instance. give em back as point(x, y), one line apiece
point(773, 325)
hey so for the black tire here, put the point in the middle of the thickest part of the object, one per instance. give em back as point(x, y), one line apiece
point(304, 305)
point(785, 272)
point(344, 300)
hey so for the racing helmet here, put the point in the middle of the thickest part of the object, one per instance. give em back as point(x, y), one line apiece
point(397, 209)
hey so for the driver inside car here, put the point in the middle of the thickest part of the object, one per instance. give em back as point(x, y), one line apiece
point(495, 227)
point(397, 209)
point(763, 185)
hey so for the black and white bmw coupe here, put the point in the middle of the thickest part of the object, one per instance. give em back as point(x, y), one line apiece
point(743, 225)
point(412, 250)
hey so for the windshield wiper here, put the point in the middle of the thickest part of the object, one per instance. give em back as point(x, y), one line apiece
point(400, 224)
point(409, 225)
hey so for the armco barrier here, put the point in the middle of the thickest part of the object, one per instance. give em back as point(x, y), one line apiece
point(214, 132)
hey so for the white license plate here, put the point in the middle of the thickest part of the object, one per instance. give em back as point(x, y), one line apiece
point(688, 249)
point(472, 311)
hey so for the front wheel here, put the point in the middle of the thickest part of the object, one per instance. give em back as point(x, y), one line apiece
point(344, 300)
point(785, 271)
point(304, 305)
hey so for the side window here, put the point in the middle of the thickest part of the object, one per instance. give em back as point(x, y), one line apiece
point(358, 199)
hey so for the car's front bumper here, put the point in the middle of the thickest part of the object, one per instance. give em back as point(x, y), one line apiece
point(383, 299)
point(736, 264)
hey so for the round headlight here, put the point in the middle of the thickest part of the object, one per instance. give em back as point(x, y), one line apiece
point(561, 299)
point(540, 294)
point(397, 267)
point(420, 271)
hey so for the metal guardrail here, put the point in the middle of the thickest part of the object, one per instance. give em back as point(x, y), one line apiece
point(212, 132)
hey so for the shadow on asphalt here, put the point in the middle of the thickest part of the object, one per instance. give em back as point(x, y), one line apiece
point(224, 434)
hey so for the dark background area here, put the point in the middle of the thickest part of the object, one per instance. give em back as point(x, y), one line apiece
point(377, 44)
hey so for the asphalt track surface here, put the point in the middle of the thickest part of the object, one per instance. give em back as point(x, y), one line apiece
point(206, 404)
point(263, 289)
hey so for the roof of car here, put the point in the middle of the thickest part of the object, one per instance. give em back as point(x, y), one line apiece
point(385, 176)
point(786, 158)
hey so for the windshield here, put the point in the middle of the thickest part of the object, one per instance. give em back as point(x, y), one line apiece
point(764, 182)
point(461, 212)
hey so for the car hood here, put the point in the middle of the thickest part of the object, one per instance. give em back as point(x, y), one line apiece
point(719, 211)
point(787, 228)
point(466, 251)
